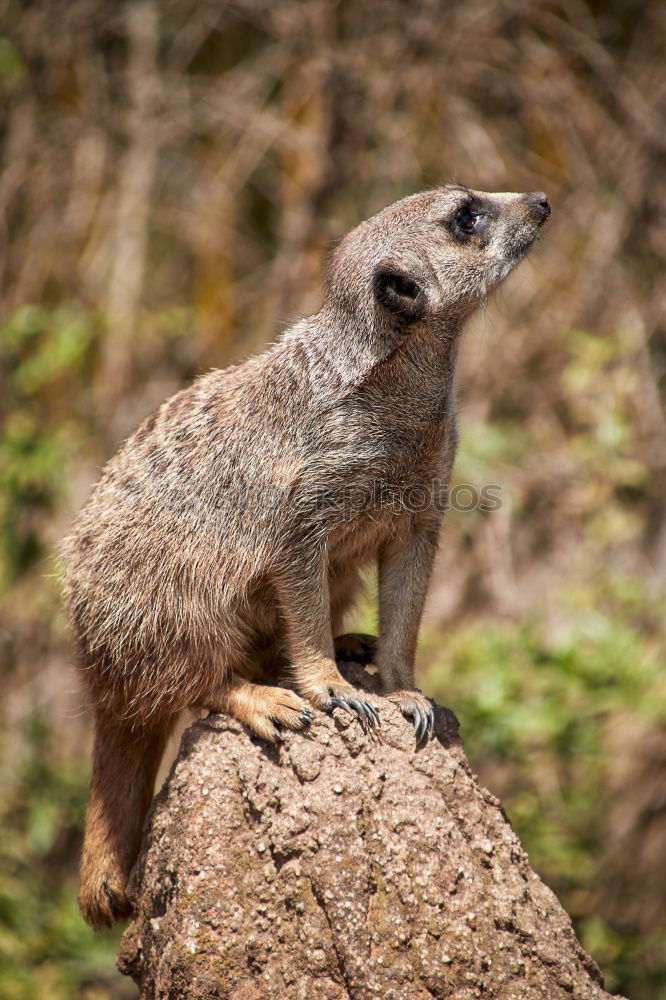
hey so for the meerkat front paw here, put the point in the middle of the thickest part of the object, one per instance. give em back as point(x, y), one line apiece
point(418, 709)
point(264, 710)
point(349, 699)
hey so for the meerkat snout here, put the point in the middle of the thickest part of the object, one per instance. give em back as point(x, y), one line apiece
point(539, 205)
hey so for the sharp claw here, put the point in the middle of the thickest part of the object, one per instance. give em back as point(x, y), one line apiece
point(372, 714)
point(341, 703)
point(362, 720)
point(372, 709)
point(357, 705)
point(365, 711)
point(423, 719)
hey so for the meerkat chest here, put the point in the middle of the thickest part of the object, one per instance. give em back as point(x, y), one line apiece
point(394, 455)
point(373, 488)
point(368, 464)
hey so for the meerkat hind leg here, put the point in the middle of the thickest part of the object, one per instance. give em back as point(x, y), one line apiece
point(264, 710)
point(355, 647)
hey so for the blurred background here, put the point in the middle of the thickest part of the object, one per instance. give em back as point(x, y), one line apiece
point(173, 174)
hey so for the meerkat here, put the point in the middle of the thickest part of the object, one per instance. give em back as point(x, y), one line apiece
point(223, 543)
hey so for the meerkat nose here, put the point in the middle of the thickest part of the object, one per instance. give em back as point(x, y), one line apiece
point(538, 202)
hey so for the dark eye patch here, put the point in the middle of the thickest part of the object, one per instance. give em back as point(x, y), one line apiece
point(467, 220)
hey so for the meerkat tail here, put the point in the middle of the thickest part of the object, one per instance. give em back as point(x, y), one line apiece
point(126, 757)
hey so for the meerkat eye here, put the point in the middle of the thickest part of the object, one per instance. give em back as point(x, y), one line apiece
point(466, 221)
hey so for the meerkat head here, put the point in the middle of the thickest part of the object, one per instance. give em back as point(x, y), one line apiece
point(434, 255)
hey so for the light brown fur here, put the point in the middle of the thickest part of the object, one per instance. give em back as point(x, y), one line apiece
point(223, 543)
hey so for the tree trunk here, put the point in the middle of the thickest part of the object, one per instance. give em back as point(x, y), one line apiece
point(341, 865)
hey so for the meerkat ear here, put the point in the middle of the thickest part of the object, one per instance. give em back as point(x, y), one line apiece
point(399, 293)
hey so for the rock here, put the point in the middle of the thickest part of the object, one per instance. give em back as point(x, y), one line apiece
point(339, 864)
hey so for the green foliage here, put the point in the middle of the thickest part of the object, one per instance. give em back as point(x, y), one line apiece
point(534, 707)
point(12, 67)
point(46, 950)
point(43, 361)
